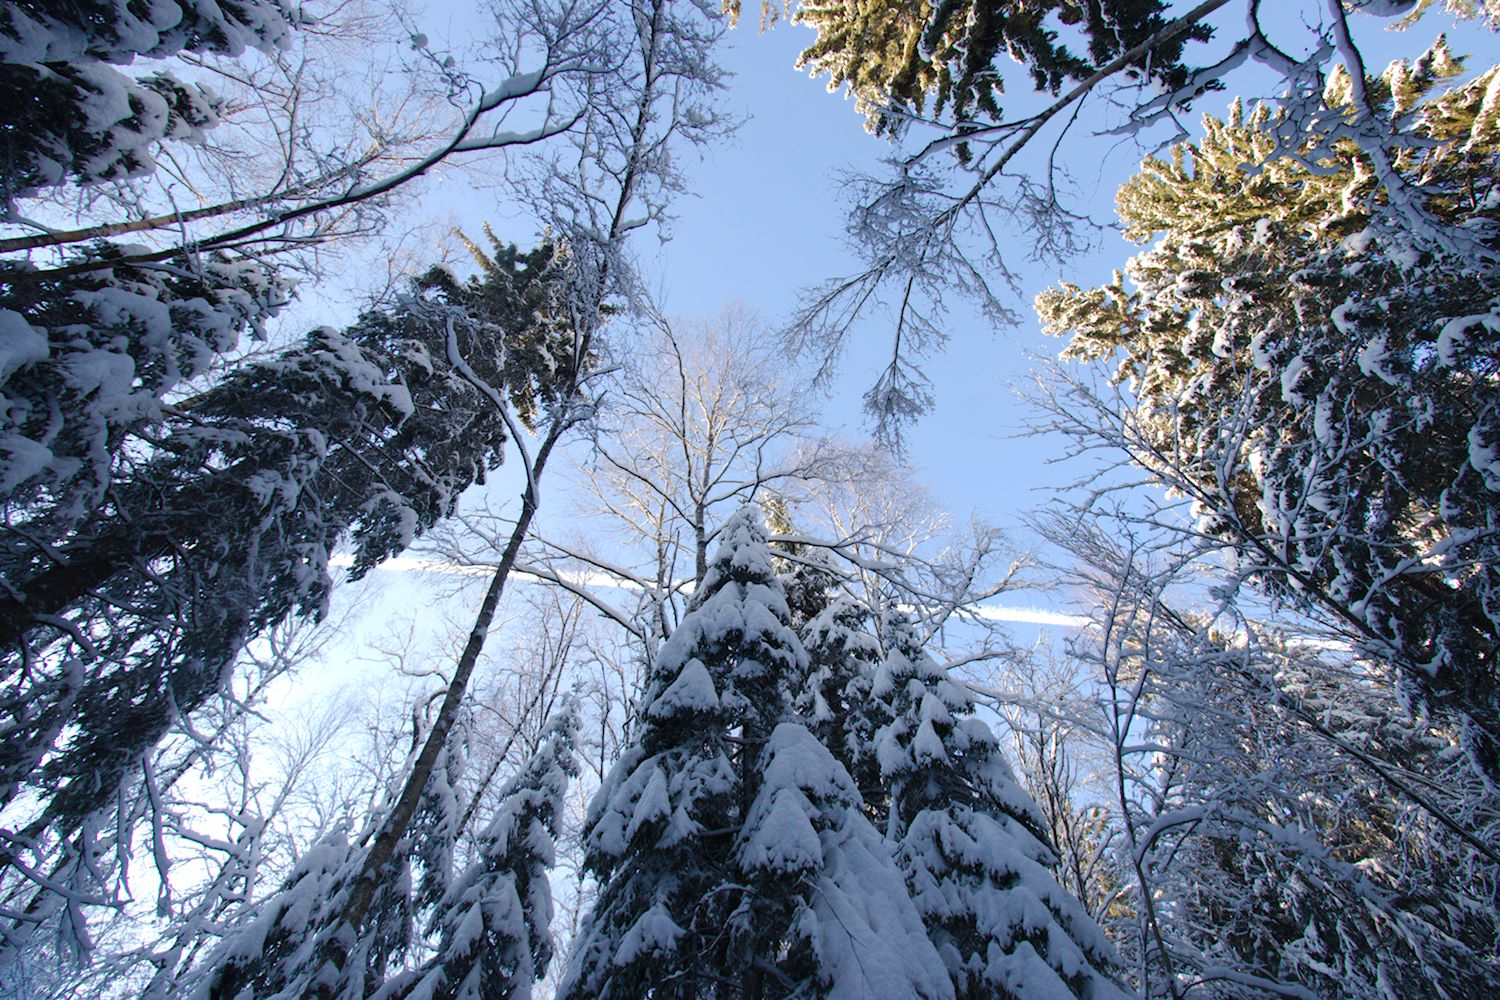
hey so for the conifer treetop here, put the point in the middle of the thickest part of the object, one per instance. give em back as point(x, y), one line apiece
point(973, 847)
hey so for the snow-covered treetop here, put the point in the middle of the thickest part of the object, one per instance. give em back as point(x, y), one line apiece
point(934, 748)
point(737, 624)
point(532, 800)
point(743, 554)
point(839, 630)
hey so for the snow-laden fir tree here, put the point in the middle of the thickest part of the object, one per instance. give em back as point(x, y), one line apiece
point(824, 912)
point(661, 830)
point(221, 523)
point(971, 844)
point(656, 839)
point(493, 921)
point(733, 854)
point(837, 701)
point(895, 55)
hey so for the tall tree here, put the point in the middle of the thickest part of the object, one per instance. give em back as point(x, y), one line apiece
point(660, 830)
point(1318, 377)
point(734, 856)
point(972, 843)
point(370, 434)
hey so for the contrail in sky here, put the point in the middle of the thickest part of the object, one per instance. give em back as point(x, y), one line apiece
point(412, 564)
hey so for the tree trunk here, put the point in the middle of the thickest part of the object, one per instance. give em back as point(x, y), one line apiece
point(383, 848)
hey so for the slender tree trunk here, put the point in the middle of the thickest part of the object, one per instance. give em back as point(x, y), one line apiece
point(700, 547)
point(383, 848)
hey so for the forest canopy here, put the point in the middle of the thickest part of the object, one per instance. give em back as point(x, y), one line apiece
point(394, 608)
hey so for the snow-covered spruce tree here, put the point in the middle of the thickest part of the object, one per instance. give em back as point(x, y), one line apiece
point(493, 922)
point(971, 844)
point(68, 116)
point(731, 848)
point(370, 433)
point(1317, 372)
point(837, 702)
point(490, 924)
point(660, 830)
point(825, 913)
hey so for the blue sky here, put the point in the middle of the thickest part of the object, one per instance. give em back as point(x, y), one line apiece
point(764, 218)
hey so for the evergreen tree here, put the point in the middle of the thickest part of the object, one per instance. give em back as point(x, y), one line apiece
point(371, 434)
point(660, 830)
point(493, 921)
point(838, 701)
point(972, 847)
point(274, 954)
point(734, 858)
point(1313, 364)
